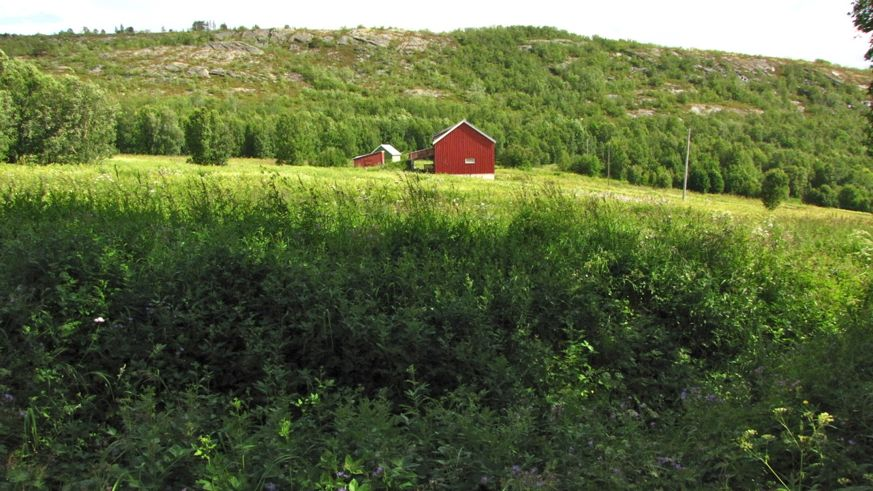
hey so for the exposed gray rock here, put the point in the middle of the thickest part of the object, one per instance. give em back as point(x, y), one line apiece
point(198, 71)
point(176, 66)
point(302, 38)
point(219, 72)
point(368, 37)
point(344, 40)
point(235, 46)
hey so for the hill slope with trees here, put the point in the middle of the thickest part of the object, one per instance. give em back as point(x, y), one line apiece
point(602, 107)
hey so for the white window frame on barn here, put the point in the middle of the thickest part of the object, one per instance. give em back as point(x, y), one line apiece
point(470, 160)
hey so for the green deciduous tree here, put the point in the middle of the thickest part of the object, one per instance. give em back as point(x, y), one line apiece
point(774, 188)
point(7, 124)
point(55, 120)
point(295, 139)
point(158, 131)
point(208, 137)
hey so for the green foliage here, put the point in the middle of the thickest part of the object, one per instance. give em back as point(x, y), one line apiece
point(554, 96)
point(852, 197)
point(822, 196)
point(295, 139)
point(774, 188)
point(55, 120)
point(588, 165)
point(208, 137)
point(158, 131)
point(243, 332)
point(7, 124)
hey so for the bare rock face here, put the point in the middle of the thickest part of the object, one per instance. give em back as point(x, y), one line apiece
point(235, 46)
point(198, 71)
point(302, 38)
point(413, 45)
point(175, 67)
point(367, 36)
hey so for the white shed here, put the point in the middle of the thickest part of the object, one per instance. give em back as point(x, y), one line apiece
point(390, 150)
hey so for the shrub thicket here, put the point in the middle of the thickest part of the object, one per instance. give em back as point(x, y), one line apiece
point(774, 188)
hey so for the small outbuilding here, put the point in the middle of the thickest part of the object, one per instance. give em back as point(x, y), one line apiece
point(370, 159)
point(389, 150)
point(377, 156)
point(460, 149)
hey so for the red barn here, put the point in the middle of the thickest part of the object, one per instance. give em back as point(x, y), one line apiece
point(370, 159)
point(460, 149)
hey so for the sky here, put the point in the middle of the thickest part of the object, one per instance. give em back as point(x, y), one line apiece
point(800, 29)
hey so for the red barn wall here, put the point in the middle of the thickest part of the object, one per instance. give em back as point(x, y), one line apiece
point(369, 160)
point(463, 143)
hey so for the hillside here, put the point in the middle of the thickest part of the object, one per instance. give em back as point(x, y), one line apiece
point(548, 96)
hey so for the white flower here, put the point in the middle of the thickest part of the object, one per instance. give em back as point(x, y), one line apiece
point(99, 320)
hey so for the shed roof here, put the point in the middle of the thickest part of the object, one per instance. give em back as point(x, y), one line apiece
point(388, 148)
point(374, 152)
point(440, 135)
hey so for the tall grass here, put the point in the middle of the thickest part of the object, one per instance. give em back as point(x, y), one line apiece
point(246, 328)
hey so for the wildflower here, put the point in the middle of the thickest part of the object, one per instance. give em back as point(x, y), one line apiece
point(7, 397)
point(778, 411)
point(825, 419)
point(99, 320)
point(712, 398)
point(378, 471)
point(270, 487)
point(516, 470)
point(342, 475)
point(683, 394)
point(483, 481)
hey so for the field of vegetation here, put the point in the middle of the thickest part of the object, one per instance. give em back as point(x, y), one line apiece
point(595, 106)
point(254, 326)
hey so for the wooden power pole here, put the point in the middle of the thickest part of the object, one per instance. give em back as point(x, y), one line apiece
point(687, 153)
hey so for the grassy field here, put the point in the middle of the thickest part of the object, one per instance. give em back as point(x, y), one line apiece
point(256, 326)
point(510, 183)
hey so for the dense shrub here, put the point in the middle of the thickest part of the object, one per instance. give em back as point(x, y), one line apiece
point(852, 197)
point(774, 188)
point(208, 138)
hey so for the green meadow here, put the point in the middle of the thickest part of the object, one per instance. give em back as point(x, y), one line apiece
point(254, 326)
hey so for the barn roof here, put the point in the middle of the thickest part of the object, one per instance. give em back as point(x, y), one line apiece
point(440, 135)
point(374, 152)
point(388, 148)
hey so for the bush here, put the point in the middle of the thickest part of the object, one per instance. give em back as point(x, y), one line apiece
point(588, 165)
point(774, 188)
point(824, 195)
point(208, 138)
point(852, 197)
point(515, 155)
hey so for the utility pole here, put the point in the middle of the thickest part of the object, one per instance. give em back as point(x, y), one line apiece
point(687, 153)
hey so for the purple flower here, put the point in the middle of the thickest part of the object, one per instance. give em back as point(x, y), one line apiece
point(270, 487)
point(378, 471)
point(683, 394)
point(342, 475)
point(516, 470)
point(483, 481)
point(7, 397)
point(712, 398)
